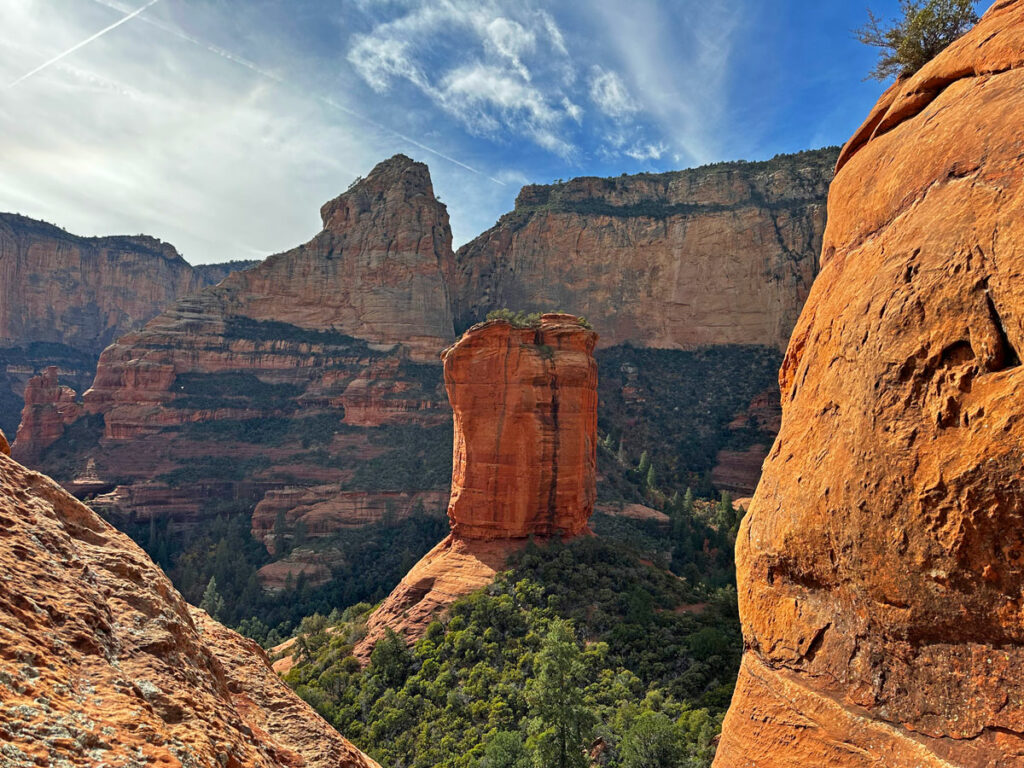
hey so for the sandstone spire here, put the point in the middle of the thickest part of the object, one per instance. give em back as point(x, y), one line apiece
point(525, 455)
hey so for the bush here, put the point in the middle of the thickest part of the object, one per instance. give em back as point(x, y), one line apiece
point(926, 29)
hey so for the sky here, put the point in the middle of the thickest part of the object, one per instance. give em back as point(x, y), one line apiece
point(222, 126)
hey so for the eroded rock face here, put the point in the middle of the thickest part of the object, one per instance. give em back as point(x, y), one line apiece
point(303, 370)
point(719, 255)
point(103, 662)
point(525, 407)
point(881, 564)
point(63, 298)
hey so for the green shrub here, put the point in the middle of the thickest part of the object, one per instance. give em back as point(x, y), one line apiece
point(926, 28)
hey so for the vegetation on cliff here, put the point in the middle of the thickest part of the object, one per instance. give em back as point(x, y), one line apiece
point(926, 28)
point(645, 662)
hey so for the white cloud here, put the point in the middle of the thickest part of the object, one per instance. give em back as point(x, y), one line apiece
point(495, 78)
point(609, 93)
point(642, 152)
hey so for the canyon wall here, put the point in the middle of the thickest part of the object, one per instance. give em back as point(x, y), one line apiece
point(63, 298)
point(308, 387)
point(525, 458)
point(723, 254)
point(104, 663)
point(881, 564)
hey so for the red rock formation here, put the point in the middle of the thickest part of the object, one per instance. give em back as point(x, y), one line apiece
point(76, 295)
point(49, 407)
point(5, 448)
point(102, 662)
point(525, 406)
point(881, 564)
point(300, 370)
point(718, 255)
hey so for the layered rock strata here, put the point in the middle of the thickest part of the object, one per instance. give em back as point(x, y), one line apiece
point(301, 376)
point(102, 662)
point(718, 255)
point(881, 564)
point(63, 298)
point(525, 405)
point(49, 407)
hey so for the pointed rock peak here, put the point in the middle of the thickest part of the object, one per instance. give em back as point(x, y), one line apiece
point(399, 179)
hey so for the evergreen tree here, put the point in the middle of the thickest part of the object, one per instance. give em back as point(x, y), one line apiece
point(645, 464)
point(688, 501)
point(505, 749)
point(653, 741)
point(560, 724)
point(651, 479)
point(212, 602)
point(926, 29)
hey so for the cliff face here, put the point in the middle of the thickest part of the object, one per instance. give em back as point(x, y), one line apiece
point(881, 564)
point(63, 298)
point(718, 255)
point(525, 455)
point(525, 406)
point(104, 662)
point(308, 371)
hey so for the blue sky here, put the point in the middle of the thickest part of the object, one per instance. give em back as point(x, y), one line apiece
point(223, 125)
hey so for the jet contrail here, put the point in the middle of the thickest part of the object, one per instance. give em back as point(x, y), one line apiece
point(85, 42)
point(241, 61)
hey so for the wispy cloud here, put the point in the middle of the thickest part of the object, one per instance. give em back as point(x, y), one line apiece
point(498, 82)
point(609, 93)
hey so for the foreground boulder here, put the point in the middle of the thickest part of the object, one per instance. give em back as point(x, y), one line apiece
point(881, 565)
point(525, 457)
point(103, 663)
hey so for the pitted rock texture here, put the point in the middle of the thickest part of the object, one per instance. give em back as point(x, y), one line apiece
point(724, 254)
point(881, 564)
point(525, 408)
point(103, 663)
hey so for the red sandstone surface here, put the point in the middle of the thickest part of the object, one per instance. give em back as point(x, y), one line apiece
point(102, 662)
point(525, 407)
point(49, 407)
point(881, 564)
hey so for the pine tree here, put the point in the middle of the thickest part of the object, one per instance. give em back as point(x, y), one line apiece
point(212, 602)
point(560, 724)
point(645, 463)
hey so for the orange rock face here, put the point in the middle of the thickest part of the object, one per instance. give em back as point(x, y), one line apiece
point(719, 255)
point(525, 406)
point(881, 564)
point(453, 569)
point(102, 661)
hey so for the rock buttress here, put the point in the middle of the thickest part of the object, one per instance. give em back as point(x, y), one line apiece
point(881, 565)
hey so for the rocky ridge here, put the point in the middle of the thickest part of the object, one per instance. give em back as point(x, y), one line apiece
point(284, 391)
point(102, 662)
point(881, 564)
